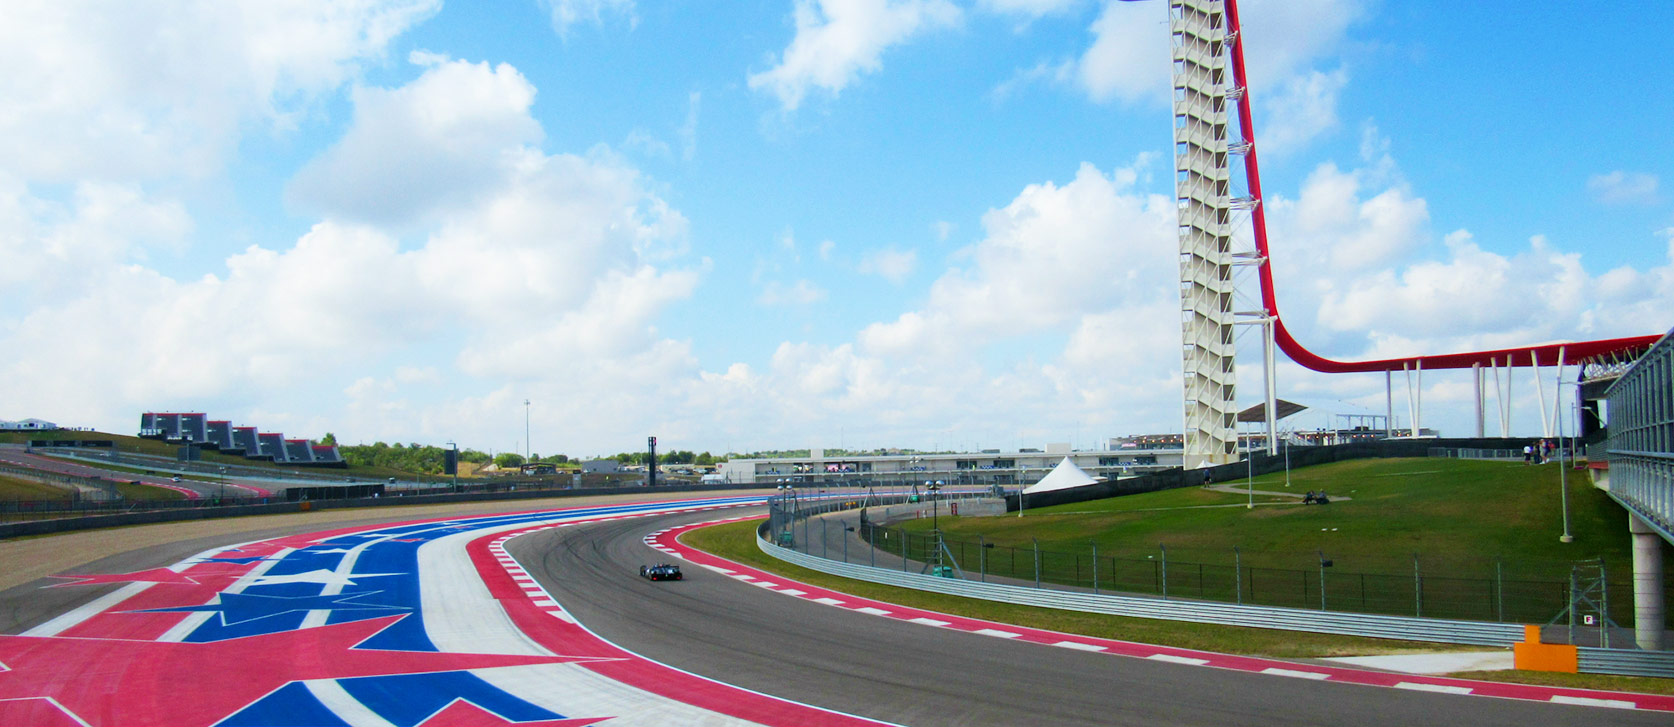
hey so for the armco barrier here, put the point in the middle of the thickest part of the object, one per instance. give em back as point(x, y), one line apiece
point(1627, 662)
point(1482, 633)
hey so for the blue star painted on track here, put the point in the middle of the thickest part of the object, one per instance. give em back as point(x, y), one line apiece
point(237, 608)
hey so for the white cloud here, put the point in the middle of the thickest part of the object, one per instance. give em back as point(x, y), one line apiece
point(422, 149)
point(890, 264)
point(826, 248)
point(801, 292)
point(129, 92)
point(1623, 188)
point(550, 274)
point(1051, 255)
point(837, 40)
point(1303, 107)
point(942, 229)
point(566, 13)
point(1128, 58)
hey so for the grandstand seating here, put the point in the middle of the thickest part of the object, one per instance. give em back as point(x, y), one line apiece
point(197, 430)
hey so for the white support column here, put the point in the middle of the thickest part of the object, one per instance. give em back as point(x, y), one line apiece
point(1476, 386)
point(1202, 190)
point(1540, 395)
point(1388, 404)
point(1649, 620)
point(1557, 394)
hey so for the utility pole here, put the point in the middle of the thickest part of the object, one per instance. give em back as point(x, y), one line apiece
point(528, 450)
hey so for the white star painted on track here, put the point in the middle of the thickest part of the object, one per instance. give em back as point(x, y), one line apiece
point(322, 577)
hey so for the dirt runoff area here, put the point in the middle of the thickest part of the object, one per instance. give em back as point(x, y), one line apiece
point(30, 559)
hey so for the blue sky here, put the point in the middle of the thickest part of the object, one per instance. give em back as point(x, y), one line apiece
point(780, 223)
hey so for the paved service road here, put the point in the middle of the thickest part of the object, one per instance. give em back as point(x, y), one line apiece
point(928, 677)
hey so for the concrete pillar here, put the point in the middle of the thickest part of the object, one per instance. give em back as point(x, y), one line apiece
point(1648, 619)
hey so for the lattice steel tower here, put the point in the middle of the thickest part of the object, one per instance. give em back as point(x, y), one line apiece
point(1203, 190)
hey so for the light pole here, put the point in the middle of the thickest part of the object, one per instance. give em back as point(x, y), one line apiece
point(528, 449)
point(223, 496)
point(1563, 479)
point(1249, 471)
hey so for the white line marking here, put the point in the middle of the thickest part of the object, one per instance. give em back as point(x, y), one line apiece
point(792, 592)
point(1079, 645)
point(1294, 673)
point(546, 603)
point(1585, 702)
point(829, 601)
point(997, 633)
point(928, 621)
point(873, 611)
point(89, 610)
point(336, 699)
point(1178, 659)
point(765, 584)
point(1443, 688)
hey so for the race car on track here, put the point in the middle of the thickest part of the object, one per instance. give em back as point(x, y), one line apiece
point(661, 572)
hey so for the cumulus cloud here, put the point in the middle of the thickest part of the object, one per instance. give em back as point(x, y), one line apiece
point(1623, 188)
point(105, 99)
point(1127, 58)
point(548, 274)
point(1303, 107)
point(1053, 253)
point(422, 149)
point(838, 40)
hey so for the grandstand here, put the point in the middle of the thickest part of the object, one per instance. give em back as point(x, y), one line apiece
point(195, 429)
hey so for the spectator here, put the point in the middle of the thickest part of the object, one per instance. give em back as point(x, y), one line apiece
point(1528, 454)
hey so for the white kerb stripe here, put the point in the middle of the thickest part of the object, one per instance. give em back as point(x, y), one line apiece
point(1443, 688)
point(1297, 674)
point(347, 708)
point(1079, 645)
point(928, 621)
point(792, 592)
point(997, 633)
point(1586, 702)
point(1178, 659)
point(873, 611)
point(829, 601)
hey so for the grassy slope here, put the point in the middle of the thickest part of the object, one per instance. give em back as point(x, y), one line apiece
point(736, 541)
point(12, 488)
point(1457, 514)
point(164, 449)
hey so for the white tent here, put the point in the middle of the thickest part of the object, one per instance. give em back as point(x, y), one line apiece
point(1062, 477)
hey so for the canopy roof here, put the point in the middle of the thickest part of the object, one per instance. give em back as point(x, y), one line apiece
point(1258, 413)
point(1062, 477)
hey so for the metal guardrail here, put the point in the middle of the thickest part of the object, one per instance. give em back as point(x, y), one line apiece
point(1626, 662)
point(1268, 617)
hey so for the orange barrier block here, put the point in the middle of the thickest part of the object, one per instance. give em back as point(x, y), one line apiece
point(1531, 655)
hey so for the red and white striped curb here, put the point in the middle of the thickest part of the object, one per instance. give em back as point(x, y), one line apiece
point(667, 541)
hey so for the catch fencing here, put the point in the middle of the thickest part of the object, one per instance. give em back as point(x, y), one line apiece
point(1171, 589)
point(1290, 619)
point(1414, 585)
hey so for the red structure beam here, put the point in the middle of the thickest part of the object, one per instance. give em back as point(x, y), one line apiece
point(1542, 355)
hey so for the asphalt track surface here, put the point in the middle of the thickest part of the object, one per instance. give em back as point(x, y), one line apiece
point(909, 674)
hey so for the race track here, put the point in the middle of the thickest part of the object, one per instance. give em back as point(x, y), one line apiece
point(540, 618)
point(906, 673)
